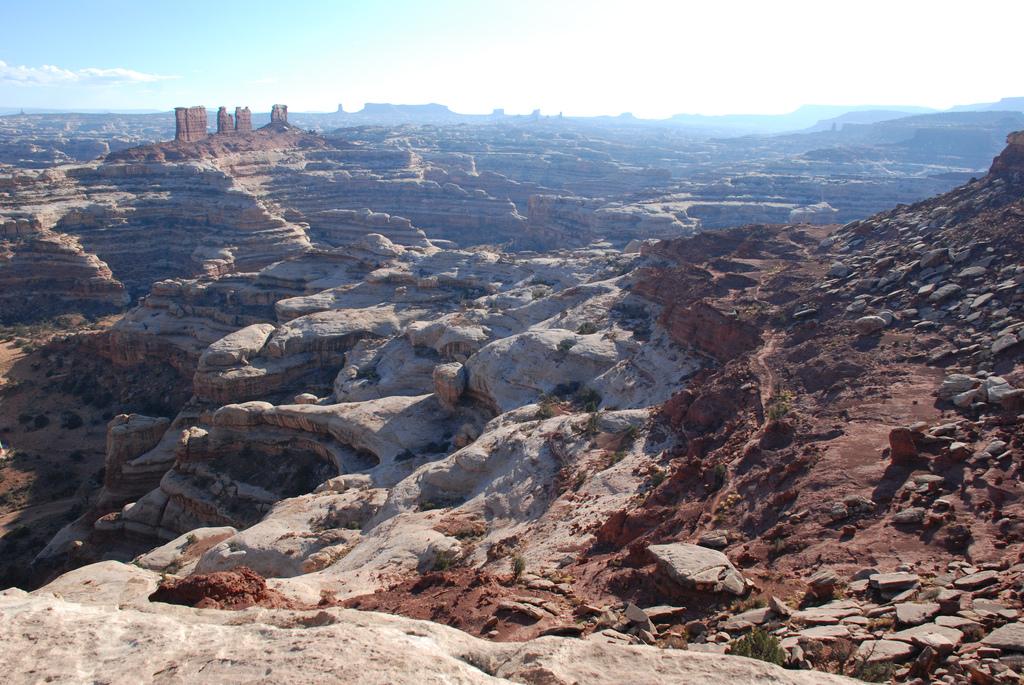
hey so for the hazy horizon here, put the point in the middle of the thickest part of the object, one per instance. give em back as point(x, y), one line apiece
point(651, 59)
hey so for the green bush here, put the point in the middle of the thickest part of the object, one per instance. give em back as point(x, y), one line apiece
point(518, 566)
point(588, 398)
point(587, 328)
point(545, 408)
point(444, 560)
point(780, 405)
point(566, 344)
point(878, 672)
point(760, 644)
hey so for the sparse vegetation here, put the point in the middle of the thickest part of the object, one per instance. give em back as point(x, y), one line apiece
point(878, 672)
point(565, 345)
point(546, 408)
point(588, 399)
point(780, 405)
point(760, 644)
point(587, 328)
point(518, 567)
point(721, 473)
point(70, 420)
point(444, 560)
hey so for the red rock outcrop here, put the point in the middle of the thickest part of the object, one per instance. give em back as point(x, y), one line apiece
point(225, 124)
point(279, 114)
point(189, 124)
point(243, 119)
point(1010, 159)
point(238, 588)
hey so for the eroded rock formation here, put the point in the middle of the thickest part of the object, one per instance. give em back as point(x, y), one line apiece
point(190, 124)
point(225, 124)
point(243, 119)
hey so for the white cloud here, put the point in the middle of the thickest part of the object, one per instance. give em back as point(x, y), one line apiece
point(49, 75)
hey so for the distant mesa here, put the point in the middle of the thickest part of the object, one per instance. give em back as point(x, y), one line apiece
point(190, 123)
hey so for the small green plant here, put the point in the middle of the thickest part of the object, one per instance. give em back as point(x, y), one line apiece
point(760, 644)
point(587, 328)
point(546, 407)
point(877, 672)
point(565, 345)
point(368, 373)
point(588, 398)
point(518, 567)
point(593, 424)
point(780, 405)
point(721, 473)
point(658, 476)
point(615, 457)
point(191, 539)
point(444, 560)
point(747, 603)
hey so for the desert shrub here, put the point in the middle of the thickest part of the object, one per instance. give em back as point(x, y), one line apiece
point(545, 408)
point(70, 420)
point(588, 398)
point(658, 476)
point(720, 474)
point(41, 421)
point(566, 344)
point(615, 457)
point(592, 426)
point(444, 560)
point(780, 405)
point(587, 328)
point(368, 373)
point(629, 435)
point(518, 566)
point(760, 644)
point(878, 672)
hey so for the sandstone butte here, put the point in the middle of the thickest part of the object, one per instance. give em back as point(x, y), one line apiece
point(369, 444)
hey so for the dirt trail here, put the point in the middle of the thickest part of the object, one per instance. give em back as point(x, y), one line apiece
point(762, 370)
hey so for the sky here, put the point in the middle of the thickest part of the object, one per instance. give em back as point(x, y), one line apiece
point(581, 57)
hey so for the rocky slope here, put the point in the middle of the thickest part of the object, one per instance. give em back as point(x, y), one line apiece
point(101, 625)
point(806, 430)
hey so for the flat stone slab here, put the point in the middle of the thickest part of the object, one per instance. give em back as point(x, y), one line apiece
point(1009, 637)
point(878, 651)
point(663, 611)
point(824, 633)
point(894, 582)
point(824, 615)
point(914, 613)
point(976, 580)
point(920, 635)
point(699, 567)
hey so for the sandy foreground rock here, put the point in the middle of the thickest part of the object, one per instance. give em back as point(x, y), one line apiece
point(92, 636)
